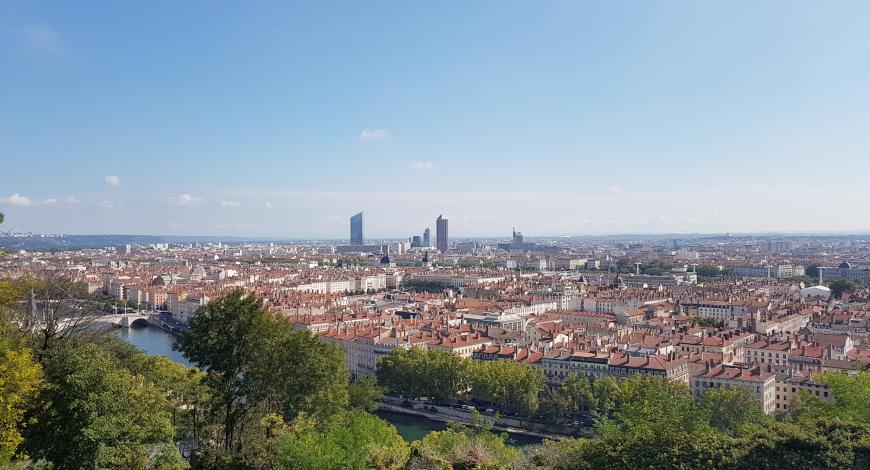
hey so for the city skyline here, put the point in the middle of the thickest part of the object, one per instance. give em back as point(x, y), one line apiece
point(563, 119)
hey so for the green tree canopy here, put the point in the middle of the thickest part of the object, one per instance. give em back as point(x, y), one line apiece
point(225, 338)
point(352, 440)
point(98, 415)
point(650, 406)
point(816, 445)
point(461, 447)
point(512, 386)
point(364, 393)
point(730, 410)
point(418, 372)
point(841, 286)
point(851, 398)
point(256, 361)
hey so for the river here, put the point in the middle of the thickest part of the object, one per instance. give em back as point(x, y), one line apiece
point(158, 342)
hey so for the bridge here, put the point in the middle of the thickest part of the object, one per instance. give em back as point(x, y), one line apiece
point(125, 320)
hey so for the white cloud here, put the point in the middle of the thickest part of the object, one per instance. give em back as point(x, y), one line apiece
point(72, 200)
point(374, 134)
point(43, 39)
point(614, 189)
point(17, 200)
point(230, 203)
point(186, 200)
point(24, 201)
point(268, 206)
point(109, 205)
point(113, 180)
point(421, 166)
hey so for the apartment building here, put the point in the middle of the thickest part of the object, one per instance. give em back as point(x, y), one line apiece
point(761, 384)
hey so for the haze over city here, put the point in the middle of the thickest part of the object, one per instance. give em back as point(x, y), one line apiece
point(562, 118)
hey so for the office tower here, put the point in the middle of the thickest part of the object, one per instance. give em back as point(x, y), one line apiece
point(441, 233)
point(426, 242)
point(416, 242)
point(356, 229)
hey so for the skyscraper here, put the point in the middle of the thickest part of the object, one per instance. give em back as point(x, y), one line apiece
point(356, 229)
point(441, 233)
point(426, 241)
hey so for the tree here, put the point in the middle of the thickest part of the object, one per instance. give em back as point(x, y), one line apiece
point(603, 400)
point(463, 447)
point(851, 399)
point(730, 410)
point(450, 375)
point(624, 266)
point(256, 364)
point(224, 339)
point(20, 381)
point(183, 387)
point(707, 322)
point(55, 309)
point(417, 372)
point(689, 452)
point(650, 406)
point(364, 393)
point(95, 414)
point(708, 270)
point(511, 385)
point(261, 447)
point(807, 445)
point(295, 372)
point(840, 287)
point(577, 390)
point(555, 407)
point(351, 440)
point(817, 445)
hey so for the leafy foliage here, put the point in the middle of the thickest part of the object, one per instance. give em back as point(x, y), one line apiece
point(842, 286)
point(97, 414)
point(418, 372)
point(352, 440)
point(851, 398)
point(257, 364)
point(512, 386)
point(462, 447)
point(364, 393)
point(730, 410)
point(20, 381)
point(833, 445)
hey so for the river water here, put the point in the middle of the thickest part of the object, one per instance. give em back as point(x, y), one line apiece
point(158, 342)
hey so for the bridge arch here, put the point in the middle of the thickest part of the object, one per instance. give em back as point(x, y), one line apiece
point(139, 322)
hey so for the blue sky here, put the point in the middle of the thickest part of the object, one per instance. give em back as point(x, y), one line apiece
point(285, 118)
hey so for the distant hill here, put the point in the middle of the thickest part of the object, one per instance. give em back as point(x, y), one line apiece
point(77, 242)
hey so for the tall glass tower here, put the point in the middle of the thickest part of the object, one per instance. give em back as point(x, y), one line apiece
point(441, 233)
point(356, 230)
